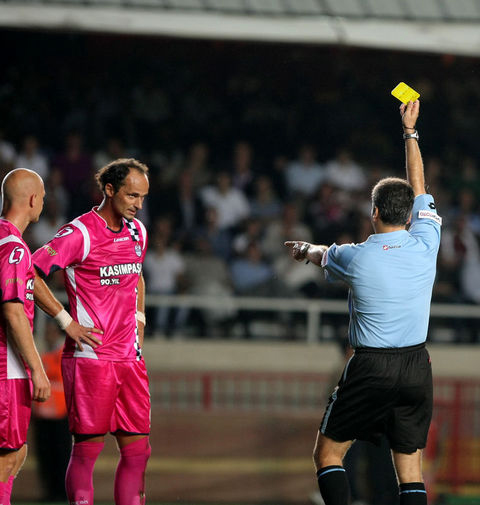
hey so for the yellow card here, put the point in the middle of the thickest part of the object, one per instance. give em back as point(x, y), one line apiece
point(405, 93)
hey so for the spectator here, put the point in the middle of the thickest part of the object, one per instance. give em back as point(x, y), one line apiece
point(164, 274)
point(49, 223)
point(305, 175)
point(243, 176)
point(208, 275)
point(253, 232)
point(231, 204)
point(279, 231)
point(7, 154)
point(220, 239)
point(344, 173)
point(264, 203)
point(113, 150)
point(32, 158)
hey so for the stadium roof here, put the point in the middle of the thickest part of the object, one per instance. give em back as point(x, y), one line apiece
point(445, 26)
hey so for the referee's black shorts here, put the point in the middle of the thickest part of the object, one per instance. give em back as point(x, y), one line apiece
point(383, 391)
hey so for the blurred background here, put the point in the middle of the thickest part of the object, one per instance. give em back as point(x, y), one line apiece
point(261, 121)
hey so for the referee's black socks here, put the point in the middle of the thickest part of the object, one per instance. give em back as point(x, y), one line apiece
point(334, 487)
point(413, 493)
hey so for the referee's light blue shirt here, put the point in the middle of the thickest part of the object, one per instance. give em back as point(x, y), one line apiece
point(391, 277)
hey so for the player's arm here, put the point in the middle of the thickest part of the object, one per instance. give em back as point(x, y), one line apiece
point(141, 309)
point(306, 251)
point(413, 158)
point(18, 331)
point(46, 300)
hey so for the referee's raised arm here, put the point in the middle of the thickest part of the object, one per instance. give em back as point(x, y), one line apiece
point(413, 158)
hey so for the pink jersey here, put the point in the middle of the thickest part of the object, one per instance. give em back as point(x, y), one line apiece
point(101, 272)
point(16, 285)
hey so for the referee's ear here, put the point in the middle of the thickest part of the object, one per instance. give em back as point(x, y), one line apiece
point(375, 215)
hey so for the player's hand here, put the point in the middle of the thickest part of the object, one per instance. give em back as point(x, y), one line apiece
point(409, 113)
point(299, 249)
point(41, 385)
point(81, 334)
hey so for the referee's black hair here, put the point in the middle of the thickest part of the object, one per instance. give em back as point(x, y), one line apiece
point(393, 198)
point(116, 171)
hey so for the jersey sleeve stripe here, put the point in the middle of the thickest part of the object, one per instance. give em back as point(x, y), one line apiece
point(10, 238)
point(144, 232)
point(86, 237)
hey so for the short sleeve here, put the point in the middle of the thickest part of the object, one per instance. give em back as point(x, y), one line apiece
point(336, 261)
point(426, 223)
point(14, 265)
point(67, 248)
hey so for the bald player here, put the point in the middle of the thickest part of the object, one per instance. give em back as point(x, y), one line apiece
point(22, 196)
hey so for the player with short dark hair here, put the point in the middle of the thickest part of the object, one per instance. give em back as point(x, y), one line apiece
point(22, 196)
point(386, 387)
point(105, 380)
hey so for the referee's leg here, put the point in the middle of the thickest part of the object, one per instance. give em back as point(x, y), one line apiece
point(332, 480)
point(410, 480)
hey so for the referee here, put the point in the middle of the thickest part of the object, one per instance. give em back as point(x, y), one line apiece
point(386, 387)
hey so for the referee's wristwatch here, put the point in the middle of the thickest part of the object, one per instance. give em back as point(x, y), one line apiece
point(413, 135)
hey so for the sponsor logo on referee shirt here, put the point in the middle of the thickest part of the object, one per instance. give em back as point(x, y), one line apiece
point(426, 214)
point(387, 247)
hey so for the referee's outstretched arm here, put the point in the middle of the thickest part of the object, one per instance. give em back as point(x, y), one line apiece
point(414, 163)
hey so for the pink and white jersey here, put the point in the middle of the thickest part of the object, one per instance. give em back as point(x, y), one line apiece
point(101, 272)
point(17, 276)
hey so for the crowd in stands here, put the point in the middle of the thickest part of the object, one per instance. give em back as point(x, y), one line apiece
point(299, 162)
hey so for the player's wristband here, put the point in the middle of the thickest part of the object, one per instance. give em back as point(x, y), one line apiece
point(141, 317)
point(63, 319)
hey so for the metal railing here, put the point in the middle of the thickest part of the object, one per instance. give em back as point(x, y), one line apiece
point(314, 310)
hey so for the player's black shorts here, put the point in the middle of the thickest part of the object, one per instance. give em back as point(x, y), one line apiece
point(383, 391)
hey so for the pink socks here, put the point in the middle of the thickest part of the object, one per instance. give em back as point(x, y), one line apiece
point(130, 474)
point(79, 477)
point(3, 485)
point(8, 490)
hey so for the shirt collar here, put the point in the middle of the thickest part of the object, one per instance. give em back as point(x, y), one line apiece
point(391, 235)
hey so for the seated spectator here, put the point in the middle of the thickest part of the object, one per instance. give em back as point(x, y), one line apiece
point(279, 230)
point(253, 232)
point(251, 274)
point(219, 238)
point(325, 213)
point(54, 188)
point(7, 154)
point(207, 275)
point(197, 165)
point(243, 176)
point(231, 204)
point(184, 207)
point(76, 167)
point(304, 175)
point(30, 157)
point(344, 173)
point(113, 150)
point(49, 223)
point(264, 203)
point(164, 270)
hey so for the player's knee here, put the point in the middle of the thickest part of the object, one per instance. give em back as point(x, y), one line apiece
point(138, 448)
point(8, 462)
